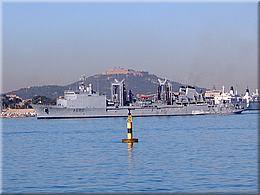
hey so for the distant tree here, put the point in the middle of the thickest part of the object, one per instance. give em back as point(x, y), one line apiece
point(4, 102)
point(10, 102)
point(43, 100)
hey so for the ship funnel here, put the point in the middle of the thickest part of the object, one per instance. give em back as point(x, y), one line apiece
point(247, 91)
point(231, 90)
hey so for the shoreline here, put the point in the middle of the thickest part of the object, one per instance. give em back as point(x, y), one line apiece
point(17, 113)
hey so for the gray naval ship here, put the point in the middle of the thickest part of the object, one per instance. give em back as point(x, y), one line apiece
point(86, 103)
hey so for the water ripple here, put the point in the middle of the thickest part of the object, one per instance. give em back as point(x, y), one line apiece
point(174, 154)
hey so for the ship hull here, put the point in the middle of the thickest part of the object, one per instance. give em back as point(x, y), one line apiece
point(254, 105)
point(56, 112)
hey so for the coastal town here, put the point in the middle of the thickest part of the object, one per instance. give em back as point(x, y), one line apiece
point(12, 106)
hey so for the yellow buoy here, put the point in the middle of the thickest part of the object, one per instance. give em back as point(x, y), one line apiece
point(129, 126)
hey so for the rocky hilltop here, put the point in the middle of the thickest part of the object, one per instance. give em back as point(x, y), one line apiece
point(140, 82)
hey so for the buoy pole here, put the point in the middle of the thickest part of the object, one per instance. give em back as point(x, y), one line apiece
point(129, 126)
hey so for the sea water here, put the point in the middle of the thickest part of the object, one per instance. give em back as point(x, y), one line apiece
point(213, 153)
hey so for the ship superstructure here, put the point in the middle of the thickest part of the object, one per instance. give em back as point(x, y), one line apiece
point(85, 97)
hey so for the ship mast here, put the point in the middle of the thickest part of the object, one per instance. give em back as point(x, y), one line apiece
point(82, 86)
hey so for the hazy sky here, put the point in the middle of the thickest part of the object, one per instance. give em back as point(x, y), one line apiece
point(202, 44)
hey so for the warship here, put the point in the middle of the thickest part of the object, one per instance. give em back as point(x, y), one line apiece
point(86, 103)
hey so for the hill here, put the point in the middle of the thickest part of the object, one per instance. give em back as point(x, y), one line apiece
point(140, 82)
